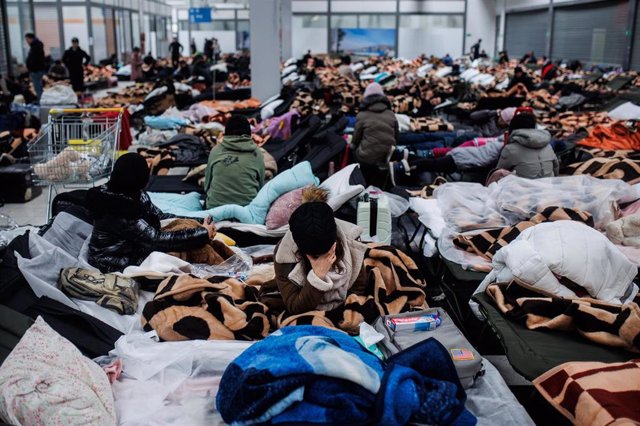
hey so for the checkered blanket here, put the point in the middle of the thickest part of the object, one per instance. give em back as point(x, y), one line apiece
point(594, 393)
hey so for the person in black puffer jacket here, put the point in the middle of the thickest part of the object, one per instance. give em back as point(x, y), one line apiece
point(126, 225)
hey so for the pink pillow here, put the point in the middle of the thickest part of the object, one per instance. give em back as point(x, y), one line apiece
point(281, 209)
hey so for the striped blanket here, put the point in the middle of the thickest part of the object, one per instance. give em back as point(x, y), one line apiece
point(394, 285)
point(597, 321)
point(594, 393)
point(487, 243)
point(625, 169)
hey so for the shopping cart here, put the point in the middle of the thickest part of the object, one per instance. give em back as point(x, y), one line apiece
point(76, 148)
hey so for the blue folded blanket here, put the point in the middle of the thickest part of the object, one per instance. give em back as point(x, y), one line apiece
point(189, 205)
point(309, 374)
point(162, 122)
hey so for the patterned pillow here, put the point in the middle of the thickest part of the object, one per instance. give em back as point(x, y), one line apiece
point(281, 209)
point(45, 380)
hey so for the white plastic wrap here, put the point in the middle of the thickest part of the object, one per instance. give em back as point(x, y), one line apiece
point(59, 95)
point(170, 382)
point(397, 205)
point(469, 206)
point(467, 261)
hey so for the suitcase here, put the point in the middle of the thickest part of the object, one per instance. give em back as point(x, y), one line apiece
point(16, 184)
point(374, 217)
point(466, 358)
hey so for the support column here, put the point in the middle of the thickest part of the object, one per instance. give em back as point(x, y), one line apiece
point(550, 31)
point(630, 33)
point(503, 27)
point(265, 48)
point(286, 18)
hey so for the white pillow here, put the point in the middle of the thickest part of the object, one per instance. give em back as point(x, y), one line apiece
point(340, 191)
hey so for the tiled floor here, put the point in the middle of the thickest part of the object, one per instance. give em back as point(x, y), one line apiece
point(32, 213)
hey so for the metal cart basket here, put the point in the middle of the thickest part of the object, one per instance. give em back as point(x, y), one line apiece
point(76, 148)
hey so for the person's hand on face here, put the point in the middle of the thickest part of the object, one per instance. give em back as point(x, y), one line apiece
point(323, 263)
point(210, 227)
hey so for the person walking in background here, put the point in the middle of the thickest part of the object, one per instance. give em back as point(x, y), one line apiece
point(35, 63)
point(136, 64)
point(176, 49)
point(193, 47)
point(475, 50)
point(75, 59)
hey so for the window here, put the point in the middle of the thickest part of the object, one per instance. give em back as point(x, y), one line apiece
point(344, 21)
point(431, 21)
point(376, 21)
point(313, 21)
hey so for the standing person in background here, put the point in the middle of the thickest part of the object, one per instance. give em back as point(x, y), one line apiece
point(447, 60)
point(193, 47)
point(35, 63)
point(175, 48)
point(503, 57)
point(345, 69)
point(475, 50)
point(75, 59)
point(136, 64)
point(208, 49)
point(216, 50)
point(376, 133)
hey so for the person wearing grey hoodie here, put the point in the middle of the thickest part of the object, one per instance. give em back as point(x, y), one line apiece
point(527, 152)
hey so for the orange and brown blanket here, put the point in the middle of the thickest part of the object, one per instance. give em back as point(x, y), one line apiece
point(600, 322)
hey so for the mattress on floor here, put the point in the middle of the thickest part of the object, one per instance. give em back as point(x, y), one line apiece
point(533, 352)
point(172, 184)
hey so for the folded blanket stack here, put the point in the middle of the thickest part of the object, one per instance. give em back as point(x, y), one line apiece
point(303, 373)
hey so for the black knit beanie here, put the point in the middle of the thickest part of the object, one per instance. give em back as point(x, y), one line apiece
point(238, 125)
point(130, 174)
point(522, 121)
point(313, 228)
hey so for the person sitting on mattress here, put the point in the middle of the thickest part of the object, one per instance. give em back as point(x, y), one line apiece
point(235, 170)
point(375, 134)
point(525, 151)
point(318, 260)
point(126, 226)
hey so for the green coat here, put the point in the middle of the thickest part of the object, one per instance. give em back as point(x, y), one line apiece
point(235, 172)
